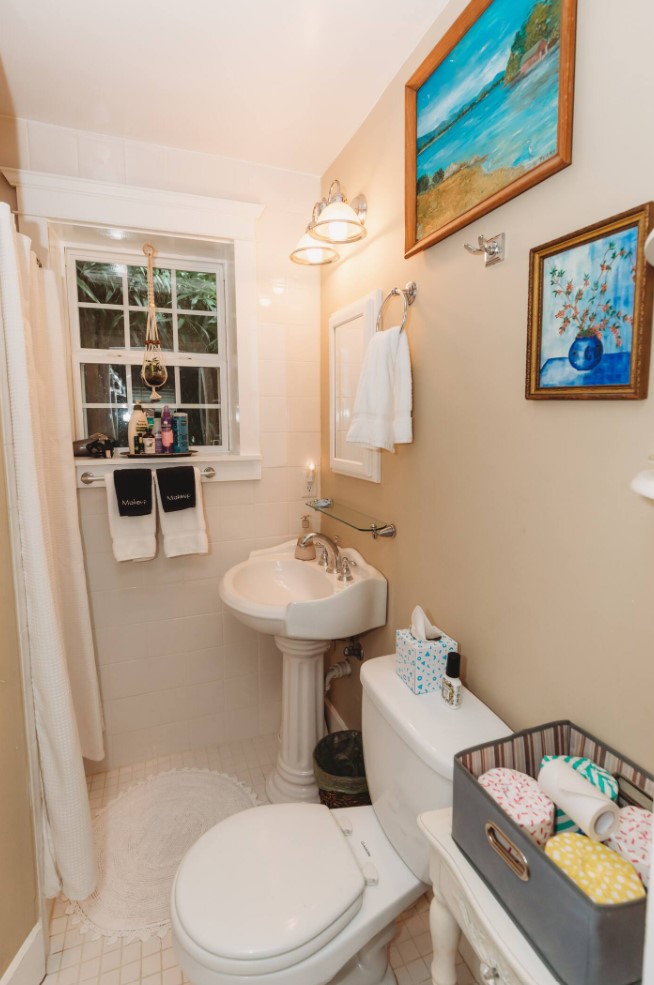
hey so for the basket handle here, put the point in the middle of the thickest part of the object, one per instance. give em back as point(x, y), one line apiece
point(507, 851)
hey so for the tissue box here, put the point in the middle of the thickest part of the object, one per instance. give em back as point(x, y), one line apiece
point(421, 663)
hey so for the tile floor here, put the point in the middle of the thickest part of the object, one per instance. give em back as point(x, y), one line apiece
point(74, 959)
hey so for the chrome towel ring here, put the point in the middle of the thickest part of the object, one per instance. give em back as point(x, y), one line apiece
point(408, 294)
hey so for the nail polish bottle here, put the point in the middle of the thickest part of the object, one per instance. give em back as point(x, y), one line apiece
point(451, 686)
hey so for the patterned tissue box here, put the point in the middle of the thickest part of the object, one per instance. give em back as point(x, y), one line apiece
point(421, 663)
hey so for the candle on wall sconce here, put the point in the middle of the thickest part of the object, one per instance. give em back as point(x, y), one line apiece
point(309, 479)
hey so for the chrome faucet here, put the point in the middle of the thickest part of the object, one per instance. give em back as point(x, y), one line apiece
point(334, 559)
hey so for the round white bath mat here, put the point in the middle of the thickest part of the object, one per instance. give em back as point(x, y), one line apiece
point(140, 839)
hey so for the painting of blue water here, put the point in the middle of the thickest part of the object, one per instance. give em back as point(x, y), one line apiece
point(589, 290)
point(489, 111)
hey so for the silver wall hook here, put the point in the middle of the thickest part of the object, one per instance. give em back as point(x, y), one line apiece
point(493, 249)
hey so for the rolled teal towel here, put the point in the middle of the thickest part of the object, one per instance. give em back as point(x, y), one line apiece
point(597, 775)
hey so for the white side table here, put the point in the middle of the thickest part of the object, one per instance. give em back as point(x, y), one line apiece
point(463, 902)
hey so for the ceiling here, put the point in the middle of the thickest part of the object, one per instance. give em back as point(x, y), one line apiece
point(281, 82)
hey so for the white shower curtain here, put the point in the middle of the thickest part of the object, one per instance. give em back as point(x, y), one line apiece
point(62, 674)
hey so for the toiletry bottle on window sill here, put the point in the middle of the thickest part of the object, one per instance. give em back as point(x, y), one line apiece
point(451, 687)
point(158, 447)
point(166, 430)
point(138, 424)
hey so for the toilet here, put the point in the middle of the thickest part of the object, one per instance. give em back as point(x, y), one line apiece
point(297, 894)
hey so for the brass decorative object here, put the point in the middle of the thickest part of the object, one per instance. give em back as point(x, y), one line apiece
point(153, 370)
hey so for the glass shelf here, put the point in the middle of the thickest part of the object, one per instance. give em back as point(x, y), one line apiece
point(353, 518)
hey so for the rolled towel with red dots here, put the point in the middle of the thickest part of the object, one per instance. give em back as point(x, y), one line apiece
point(519, 796)
point(633, 839)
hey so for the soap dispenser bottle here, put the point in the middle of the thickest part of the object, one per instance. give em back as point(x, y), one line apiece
point(451, 687)
point(307, 553)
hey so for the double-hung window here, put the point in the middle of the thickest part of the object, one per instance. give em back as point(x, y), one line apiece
point(108, 312)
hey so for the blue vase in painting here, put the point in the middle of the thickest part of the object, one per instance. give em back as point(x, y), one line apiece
point(585, 353)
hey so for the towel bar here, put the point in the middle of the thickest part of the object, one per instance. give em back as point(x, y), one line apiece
point(87, 477)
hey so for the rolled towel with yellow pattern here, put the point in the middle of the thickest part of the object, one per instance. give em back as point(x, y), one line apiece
point(519, 796)
point(594, 813)
point(633, 839)
point(596, 869)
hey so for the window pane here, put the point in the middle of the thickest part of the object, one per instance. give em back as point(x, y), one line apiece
point(199, 385)
point(196, 291)
point(138, 321)
point(142, 392)
point(101, 328)
point(103, 384)
point(137, 286)
point(203, 426)
point(111, 421)
point(197, 333)
point(101, 283)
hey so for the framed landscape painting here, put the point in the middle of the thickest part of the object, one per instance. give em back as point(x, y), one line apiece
point(488, 114)
point(590, 312)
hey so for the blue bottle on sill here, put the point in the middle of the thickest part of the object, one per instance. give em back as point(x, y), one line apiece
point(180, 432)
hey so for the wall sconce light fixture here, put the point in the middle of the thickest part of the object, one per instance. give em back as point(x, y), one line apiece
point(334, 220)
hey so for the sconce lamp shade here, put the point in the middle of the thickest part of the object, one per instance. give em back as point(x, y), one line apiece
point(311, 253)
point(338, 223)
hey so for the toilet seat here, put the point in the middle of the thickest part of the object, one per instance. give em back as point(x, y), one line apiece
point(266, 888)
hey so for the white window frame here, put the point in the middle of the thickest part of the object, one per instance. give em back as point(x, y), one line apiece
point(49, 204)
point(133, 356)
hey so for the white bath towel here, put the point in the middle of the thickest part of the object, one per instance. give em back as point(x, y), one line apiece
point(184, 531)
point(134, 538)
point(382, 409)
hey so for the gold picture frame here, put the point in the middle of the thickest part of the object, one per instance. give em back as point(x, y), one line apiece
point(591, 296)
point(488, 114)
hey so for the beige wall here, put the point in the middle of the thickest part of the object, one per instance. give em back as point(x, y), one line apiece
point(517, 530)
point(18, 900)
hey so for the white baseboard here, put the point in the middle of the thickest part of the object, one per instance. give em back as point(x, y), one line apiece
point(334, 723)
point(28, 966)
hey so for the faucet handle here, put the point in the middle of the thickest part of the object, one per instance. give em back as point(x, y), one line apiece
point(344, 573)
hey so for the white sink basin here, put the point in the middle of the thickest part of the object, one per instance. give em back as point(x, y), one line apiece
point(275, 593)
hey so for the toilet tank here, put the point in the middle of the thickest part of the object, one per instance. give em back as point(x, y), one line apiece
point(409, 741)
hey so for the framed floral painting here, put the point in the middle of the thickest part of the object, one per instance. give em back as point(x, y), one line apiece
point(488, 113)
point(590, 312)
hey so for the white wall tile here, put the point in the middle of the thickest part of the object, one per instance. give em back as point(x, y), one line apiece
point(205, 665)
point(274, 414)
point(273, 377)
point(271, 520)
point(205, 699)
point(165, 652)
point(273, 487)
point(274, 448)
point(303, 414)
point(303, 379)
point(179, 635)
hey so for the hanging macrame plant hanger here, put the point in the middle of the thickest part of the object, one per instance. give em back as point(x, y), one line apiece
point(153, 371)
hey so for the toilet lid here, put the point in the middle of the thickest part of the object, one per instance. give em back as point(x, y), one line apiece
point(270, 881)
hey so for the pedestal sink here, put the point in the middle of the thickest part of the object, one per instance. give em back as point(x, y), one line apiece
point(304, 608)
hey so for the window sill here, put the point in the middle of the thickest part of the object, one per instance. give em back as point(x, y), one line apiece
point(227, 468)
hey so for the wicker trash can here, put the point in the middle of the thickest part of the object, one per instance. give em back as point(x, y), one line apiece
point(339, 770)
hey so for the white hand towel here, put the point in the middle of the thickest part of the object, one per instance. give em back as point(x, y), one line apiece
point(134, 538)
point(382, 408)
point(184, 531)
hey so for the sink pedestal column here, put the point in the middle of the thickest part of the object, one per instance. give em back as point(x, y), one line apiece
point(302, 721)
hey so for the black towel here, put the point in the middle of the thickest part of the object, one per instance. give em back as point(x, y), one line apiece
point(133, 491)
point(177, 488)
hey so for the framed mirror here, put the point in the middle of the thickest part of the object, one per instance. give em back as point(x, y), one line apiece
point(350, 330)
